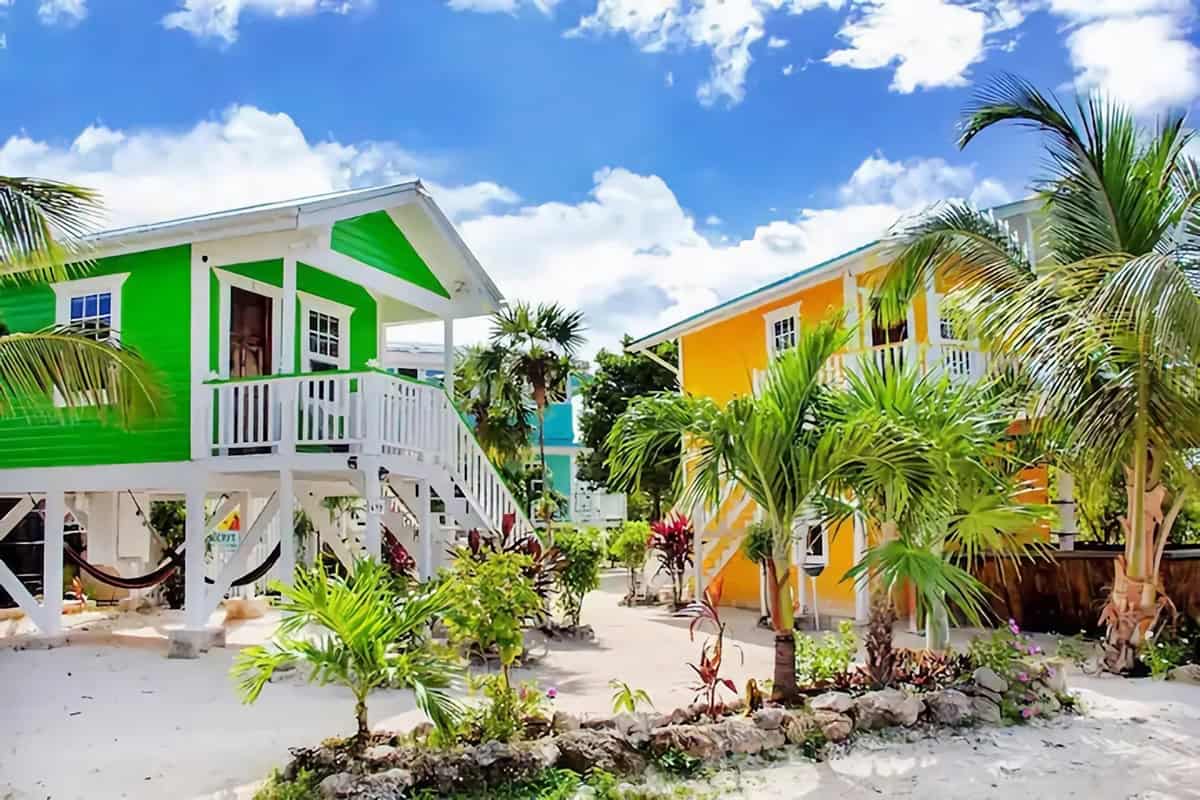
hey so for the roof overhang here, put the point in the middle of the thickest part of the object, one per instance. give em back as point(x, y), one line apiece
point(764, 294)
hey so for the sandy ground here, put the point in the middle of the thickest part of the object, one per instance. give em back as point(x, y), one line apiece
point(109, 717)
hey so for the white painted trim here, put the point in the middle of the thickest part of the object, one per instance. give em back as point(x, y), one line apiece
point(225, 281)
point(112, 284)
point(201, 323)
point(52, 562)
point(15, 516)
point(287, 322)
point(448, 356)
point(377, 280)
point(340, 312)
point(778, 315)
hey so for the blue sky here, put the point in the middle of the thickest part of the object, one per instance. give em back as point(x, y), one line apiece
point(640, 159)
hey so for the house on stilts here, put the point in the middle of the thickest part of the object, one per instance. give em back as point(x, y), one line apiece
point(266, 325)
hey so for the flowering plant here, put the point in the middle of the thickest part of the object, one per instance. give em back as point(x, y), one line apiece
point(671, 539)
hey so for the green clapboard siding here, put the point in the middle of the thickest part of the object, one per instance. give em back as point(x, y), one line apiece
point(364, 322)
point(374, 239)
point(154, 321)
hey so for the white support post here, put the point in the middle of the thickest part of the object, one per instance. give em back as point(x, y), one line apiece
point(195, 618)
point(52, 563)
point(373, 531)
point(698, 545)
point(287, 318)
point(426, 532)
point(372, 387)
point(201, 396)
point(287, 527)
point(933, 316)
point(862, 600)
point(448, 355)
point(1065, 500)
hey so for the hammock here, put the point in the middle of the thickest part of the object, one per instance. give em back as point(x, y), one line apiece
point(162, 571)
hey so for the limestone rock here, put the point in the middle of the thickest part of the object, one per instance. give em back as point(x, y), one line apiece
point(489, 753)
point(379, 754)
point(835, 727)
point(771, 718)
point(1188, 673)
point(839, 702)
point(949, 707)
point(695, 740)
point(885, 708)
point(987, 678)
point(986, 711)
point(340, 784)
point(583, 750)
point(741, 736)
point(563, 722)
point(796, 726)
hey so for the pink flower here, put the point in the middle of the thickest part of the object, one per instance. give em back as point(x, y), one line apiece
point(1026, 713)
point(552, 693)
point(1012, 626)
point(1049, 672)
point(1023, 677)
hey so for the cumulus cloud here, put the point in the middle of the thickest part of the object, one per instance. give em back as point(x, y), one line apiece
point(218, 19)
point(62, 12)
point(501, 6)
point(629, 254)
point(244, 156)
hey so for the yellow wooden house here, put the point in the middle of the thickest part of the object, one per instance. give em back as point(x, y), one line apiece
point(724, 351)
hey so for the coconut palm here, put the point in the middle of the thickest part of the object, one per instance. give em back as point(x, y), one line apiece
point(496, 404)
point(366, 637)
point(42, 228)
point(1104, 320)
point(539, 344)
point(931, 473)
point(773, 446)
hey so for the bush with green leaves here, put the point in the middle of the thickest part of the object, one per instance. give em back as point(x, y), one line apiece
point(628, 548)
point(759, 542)
point(505, 710)
point(626, 698)
point(583, 554)
point(368, 636)
point(821, 662)
point(1168, 649)
point(489, 602)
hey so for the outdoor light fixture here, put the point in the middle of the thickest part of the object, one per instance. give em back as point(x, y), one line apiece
point(383, 474)
point(352, 462)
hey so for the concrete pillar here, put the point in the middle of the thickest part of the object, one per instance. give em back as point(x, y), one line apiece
point(52, 562)
point(287, 527)
point(862, 592)
point(194, 564)
point(373, 531)
point(426, 532)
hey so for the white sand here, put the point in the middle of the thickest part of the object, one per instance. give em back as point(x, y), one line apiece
point(110, 717)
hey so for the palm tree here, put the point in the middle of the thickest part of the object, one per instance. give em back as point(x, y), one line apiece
point(775, 447)
point(931, 473)
point(369, 637)
point(495, 403)
point(539, 344)
point(42, 228)
point(1104, 321)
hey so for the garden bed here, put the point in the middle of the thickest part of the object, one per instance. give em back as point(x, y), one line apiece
point(626, 745)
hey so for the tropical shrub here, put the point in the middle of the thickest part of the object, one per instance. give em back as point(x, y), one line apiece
point(822, 662)
point(505, 711)
point(924, 670)
point(626, 698)
point(583, 554)
point(1003, 650)
point(1171, 647)
point(671, 539)
point(712, 655)
point(489, 603)
point(370, 637)
point(628, 548)
point(397, 557)
point(759, 542)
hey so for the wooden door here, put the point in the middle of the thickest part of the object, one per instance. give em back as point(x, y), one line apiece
point(249, 334)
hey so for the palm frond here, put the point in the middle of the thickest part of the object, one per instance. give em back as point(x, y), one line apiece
point(42, 228)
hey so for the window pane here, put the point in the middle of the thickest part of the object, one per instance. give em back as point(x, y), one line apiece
point(76, 308)
point(333, 326)
point(312, 342)
point(89, 305)
point(106, 303)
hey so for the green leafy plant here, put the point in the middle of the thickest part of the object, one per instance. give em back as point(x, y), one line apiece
point(489, 602)
point(583, 553)
point(924, 670)
point(712, 653)
point(505, 711)
point(626, 698)
point(369, 637)
point(305, 786)
point(628, 548)
point(1170, 648)
point(822, 662)
point(677, 762)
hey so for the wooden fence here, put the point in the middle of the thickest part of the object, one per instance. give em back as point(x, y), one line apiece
point(1065, 595)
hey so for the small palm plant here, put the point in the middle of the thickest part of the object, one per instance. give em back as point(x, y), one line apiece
point(626, 698)
point(359, 632)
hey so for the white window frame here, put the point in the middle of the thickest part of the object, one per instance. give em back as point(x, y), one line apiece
point(110, 284)
point(225, 283)
point(778, 315)
point(800, 531)
point(338, 311)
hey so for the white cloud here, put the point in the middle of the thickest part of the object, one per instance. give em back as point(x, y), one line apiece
point(776, 42)
point(1138, 52)
point(726, 28)
point(243, 157)
point(218, 19)
point(629, 255)
point(929, 43)
point(789, 69)
point(501, 6)
point(62, 12)
point(669, 80)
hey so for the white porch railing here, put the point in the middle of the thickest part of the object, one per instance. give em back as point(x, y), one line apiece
point(368, 412)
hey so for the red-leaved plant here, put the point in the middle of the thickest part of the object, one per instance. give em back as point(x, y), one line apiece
point(671, 539)
point(397, 557)
point(713, 651)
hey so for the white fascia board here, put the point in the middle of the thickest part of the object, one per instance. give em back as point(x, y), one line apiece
point(379, 281)
point(455, 241)
point(170, 476)
point(328, 213)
